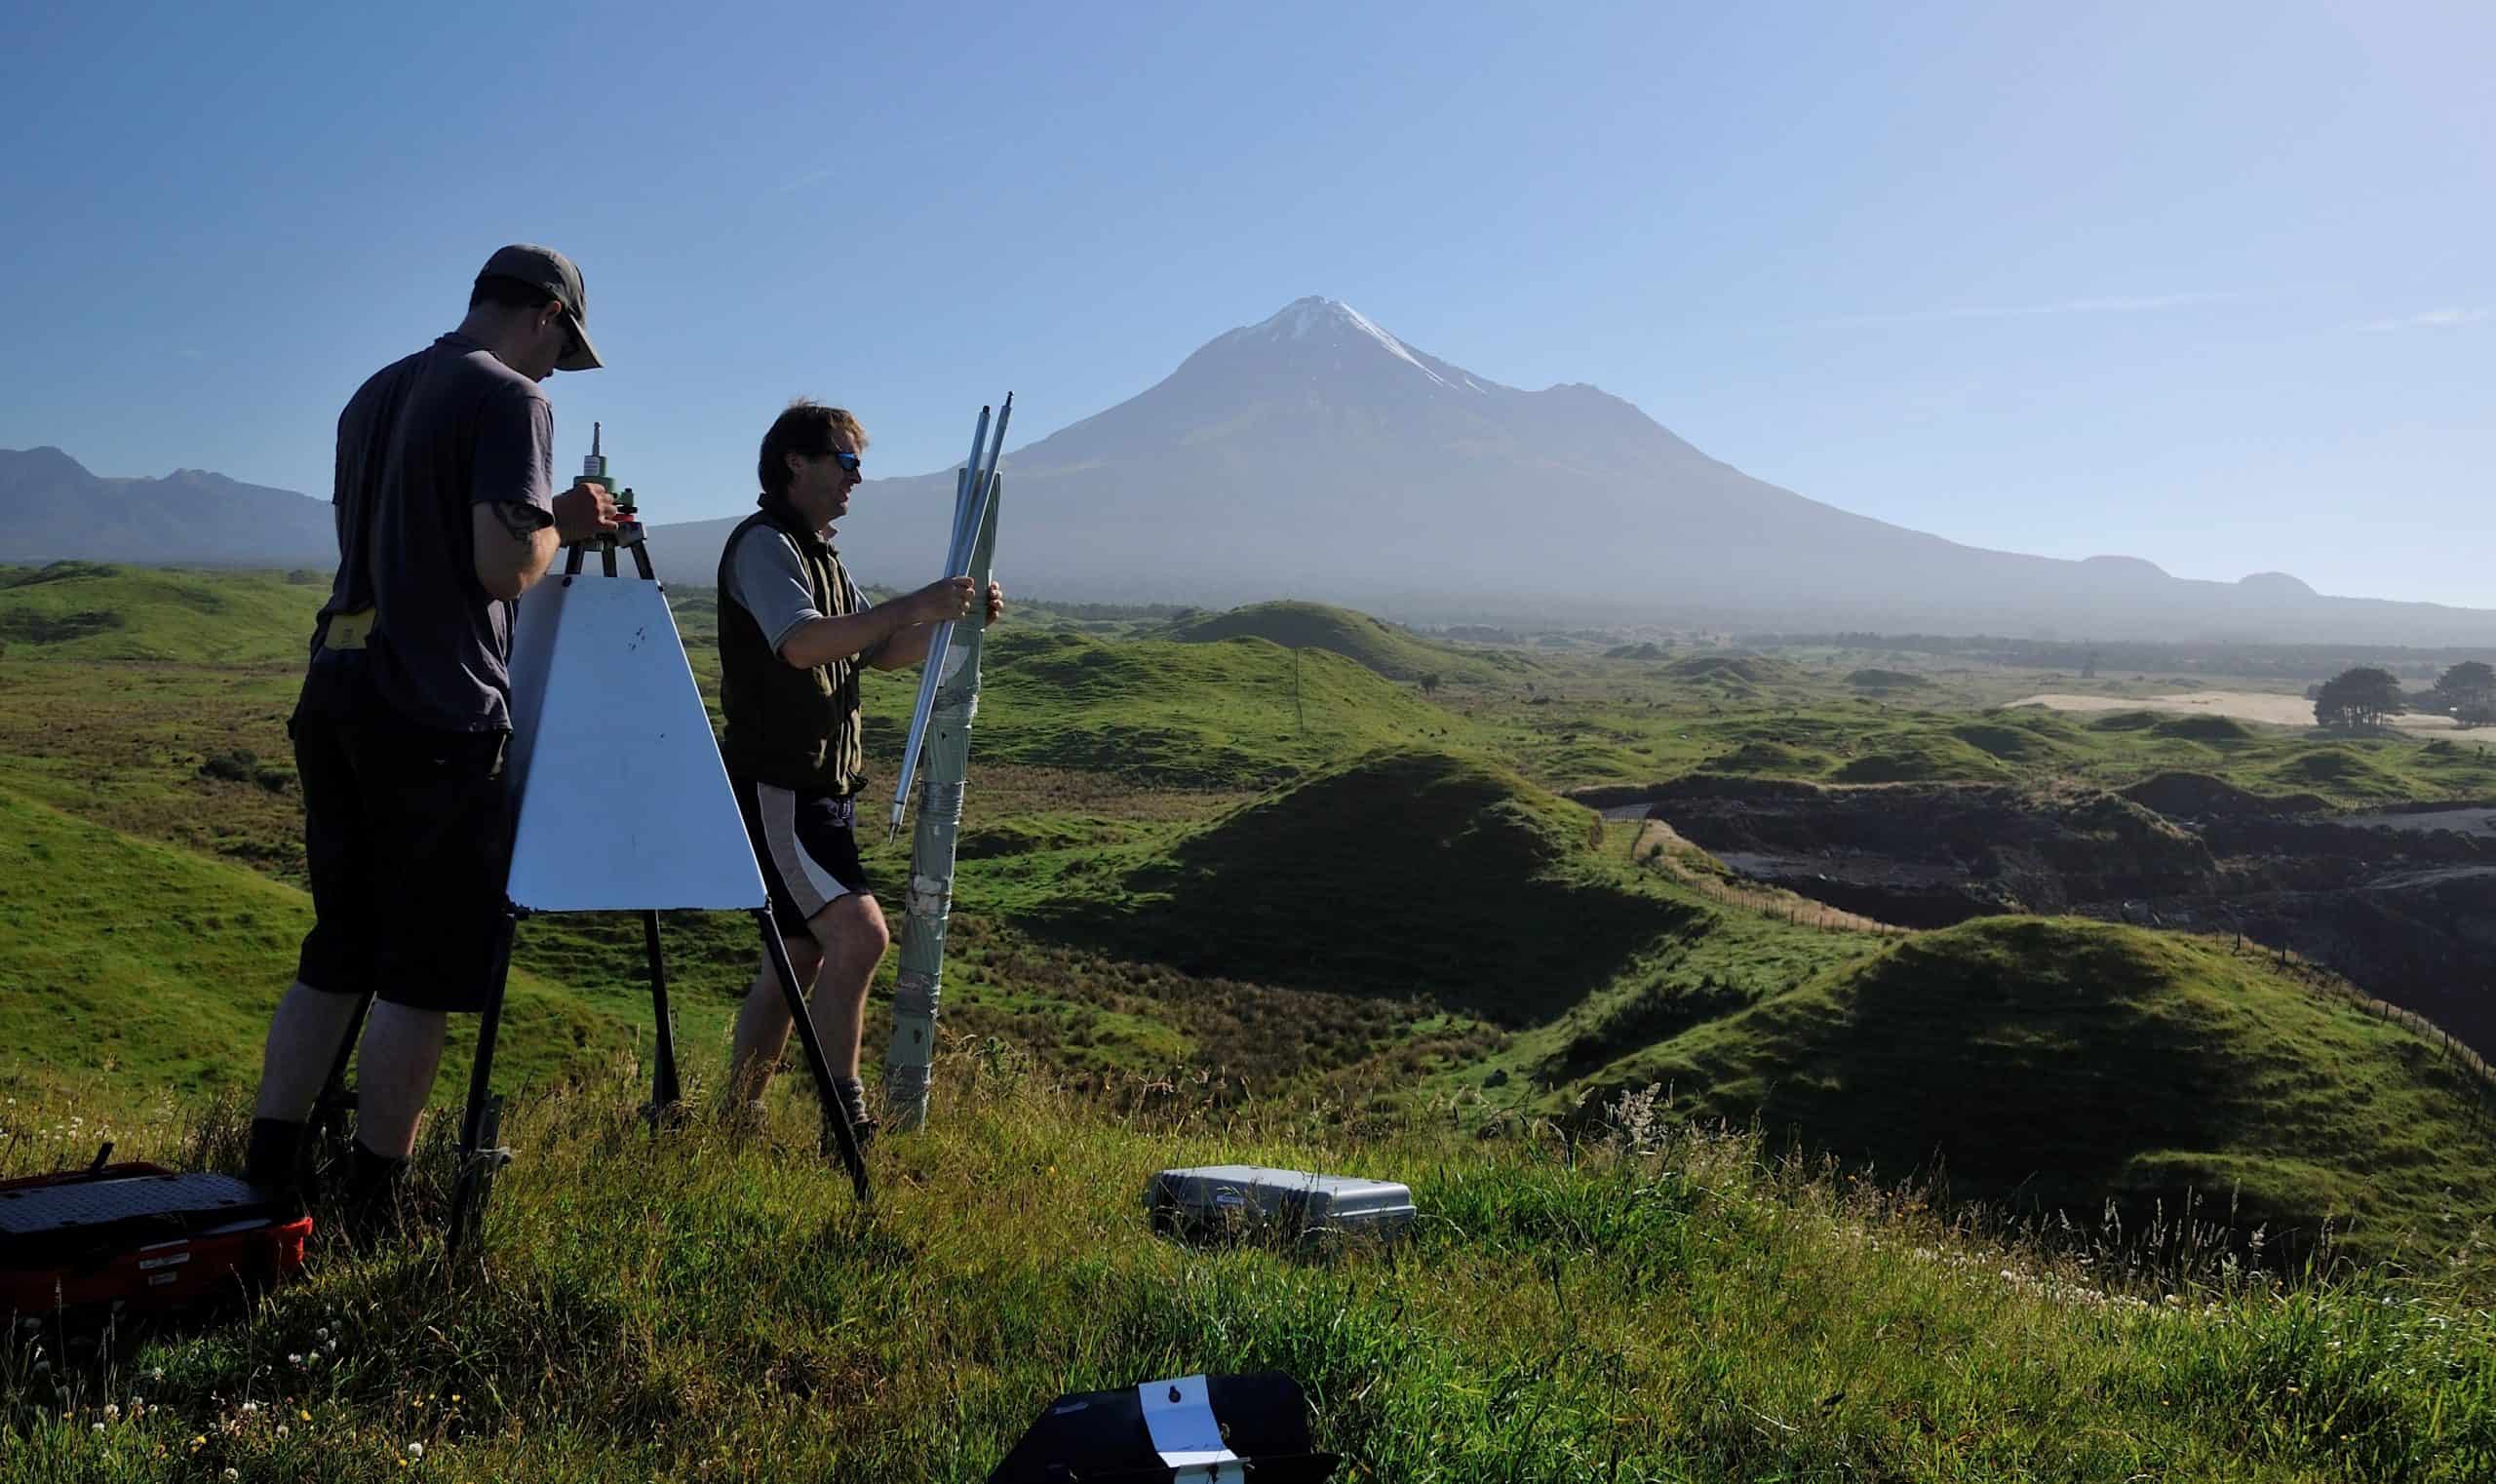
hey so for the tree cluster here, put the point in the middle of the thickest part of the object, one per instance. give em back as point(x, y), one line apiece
point(2358, 697)
point(2469, 691)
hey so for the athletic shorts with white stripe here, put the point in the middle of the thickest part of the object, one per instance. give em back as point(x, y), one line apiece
point(805, 845)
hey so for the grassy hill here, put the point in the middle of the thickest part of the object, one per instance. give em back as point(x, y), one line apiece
point(1423, 876)
point(156, 969)
point(2062, 1063)
point(1734, 670)
point(1187, 715)
point(89, 611)
point(1356, 635)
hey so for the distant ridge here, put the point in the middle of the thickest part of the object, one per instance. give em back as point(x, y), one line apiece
point(1315, 453)
point(53, 509)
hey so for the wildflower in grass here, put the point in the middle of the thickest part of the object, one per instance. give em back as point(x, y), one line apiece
point(417, 1451)
point(233, 1473)
point(98, 1430)
point(112, 1411)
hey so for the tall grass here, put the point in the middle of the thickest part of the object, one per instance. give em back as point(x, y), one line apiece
point(1655, 1301)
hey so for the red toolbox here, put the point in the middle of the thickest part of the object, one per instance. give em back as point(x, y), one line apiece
point(142, 1234)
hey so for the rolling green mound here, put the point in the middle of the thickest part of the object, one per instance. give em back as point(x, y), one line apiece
point(155, 964)
point(88, 611)
point(1923, 757)
point(2186, 795)
point(2342, 772)
point(1771, 760)
point(1191, 715)
point(2063, 1064)
point(2012, 744)
point(2204, 729)
point(1888, 679)
point(2125, 721)
point(1356, 635)
point(1420, 875)
point(1734, 670)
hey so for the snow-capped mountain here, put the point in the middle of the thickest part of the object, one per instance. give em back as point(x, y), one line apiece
point(1317, 455)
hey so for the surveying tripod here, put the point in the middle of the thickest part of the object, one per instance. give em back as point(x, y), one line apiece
point(480, 1153)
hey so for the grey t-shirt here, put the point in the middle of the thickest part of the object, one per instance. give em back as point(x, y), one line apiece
point(423, 441)
point(768, 578)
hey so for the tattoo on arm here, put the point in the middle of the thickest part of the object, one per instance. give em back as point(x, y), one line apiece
point(522, 522)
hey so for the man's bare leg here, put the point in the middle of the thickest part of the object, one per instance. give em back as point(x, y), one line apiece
point(848, 939)
point(762, 1021)
point(393, 1076)
point(303, 1041)
point(853, 936)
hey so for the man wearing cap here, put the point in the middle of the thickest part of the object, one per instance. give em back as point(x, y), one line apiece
point(446, 513)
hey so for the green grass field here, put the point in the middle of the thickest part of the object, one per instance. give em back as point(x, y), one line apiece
point(1718, 1185)
point(1648, 1302)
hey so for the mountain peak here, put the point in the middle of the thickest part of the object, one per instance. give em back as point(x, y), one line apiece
point(2276, 584)
point(43, 457)
point(1321, 322)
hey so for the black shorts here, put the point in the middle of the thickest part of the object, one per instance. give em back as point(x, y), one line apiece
point(408, 836)
point(806, 847)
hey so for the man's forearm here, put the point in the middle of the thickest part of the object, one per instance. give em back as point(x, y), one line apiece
point(823, 640)
point(514, 547)
point(907, 646)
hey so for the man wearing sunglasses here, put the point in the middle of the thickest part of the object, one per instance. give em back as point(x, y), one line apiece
point(794, 636)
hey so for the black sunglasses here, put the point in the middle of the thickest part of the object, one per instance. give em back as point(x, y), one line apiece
point(848, 461)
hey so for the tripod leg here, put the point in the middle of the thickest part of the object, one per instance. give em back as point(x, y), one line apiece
point(835, 1112)
point(480, 1154)
point(327, 1140)
point(664, 1093)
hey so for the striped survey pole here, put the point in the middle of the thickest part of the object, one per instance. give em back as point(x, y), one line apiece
point(945, 759)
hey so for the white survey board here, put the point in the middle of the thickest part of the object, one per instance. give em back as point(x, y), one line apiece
point(624, 806)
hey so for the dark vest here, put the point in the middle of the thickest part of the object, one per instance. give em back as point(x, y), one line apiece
point(788, 727)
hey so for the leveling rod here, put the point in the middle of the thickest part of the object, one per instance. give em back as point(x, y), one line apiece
point(972, 492)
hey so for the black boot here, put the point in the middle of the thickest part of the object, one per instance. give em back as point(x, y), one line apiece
point(370, 1207)
point(852, 1094)
point(274, 1163)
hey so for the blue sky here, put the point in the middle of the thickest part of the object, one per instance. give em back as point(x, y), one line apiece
point(2209, 283)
